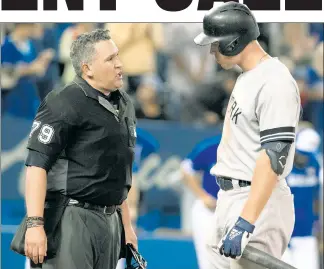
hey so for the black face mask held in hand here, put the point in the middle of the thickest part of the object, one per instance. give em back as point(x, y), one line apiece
point(134, 260)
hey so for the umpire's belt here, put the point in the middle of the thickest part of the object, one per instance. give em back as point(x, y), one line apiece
point(100, 208)
point(226, 183)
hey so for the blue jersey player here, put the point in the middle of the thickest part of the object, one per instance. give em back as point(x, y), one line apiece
point(196, 175)
point(304, 184)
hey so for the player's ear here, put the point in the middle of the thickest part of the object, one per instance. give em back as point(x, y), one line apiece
point(87, 69)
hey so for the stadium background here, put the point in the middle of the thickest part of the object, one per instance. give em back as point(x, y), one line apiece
point(180, 95)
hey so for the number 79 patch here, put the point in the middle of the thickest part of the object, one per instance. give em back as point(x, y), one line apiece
point(46, 132)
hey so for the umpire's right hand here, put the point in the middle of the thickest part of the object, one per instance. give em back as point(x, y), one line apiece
point(36, 244)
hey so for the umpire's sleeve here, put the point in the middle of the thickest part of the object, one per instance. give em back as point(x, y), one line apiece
point(50, 133)
point(278, 110)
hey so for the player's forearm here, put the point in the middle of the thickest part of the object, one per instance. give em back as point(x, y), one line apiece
point(25, 70)
point(194, 185)
point(263, 183)
point(35, 191)
point(126, 214)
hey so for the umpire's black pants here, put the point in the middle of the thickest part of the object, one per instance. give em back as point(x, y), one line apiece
point(89, 240)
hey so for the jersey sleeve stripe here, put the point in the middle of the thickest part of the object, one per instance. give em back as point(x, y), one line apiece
point(278, 130)
point(275, 135)
point(289, 138)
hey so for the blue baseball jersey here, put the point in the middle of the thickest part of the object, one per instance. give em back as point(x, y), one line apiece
point(22, 100)
point(203, 158)
point(146, 144)
point(304, 184)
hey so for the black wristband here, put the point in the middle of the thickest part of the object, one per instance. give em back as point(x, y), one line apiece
point(35, 219)
point(34, 222)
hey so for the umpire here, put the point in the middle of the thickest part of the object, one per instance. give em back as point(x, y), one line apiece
point(81, 146)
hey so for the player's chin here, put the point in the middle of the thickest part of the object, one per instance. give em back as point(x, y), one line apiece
point(227, 66)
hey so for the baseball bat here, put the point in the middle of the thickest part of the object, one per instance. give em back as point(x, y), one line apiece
point(264, 259)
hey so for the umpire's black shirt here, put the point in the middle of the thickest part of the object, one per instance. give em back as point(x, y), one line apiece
point(85, 144)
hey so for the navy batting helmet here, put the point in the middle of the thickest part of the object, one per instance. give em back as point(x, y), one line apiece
point(232, 25)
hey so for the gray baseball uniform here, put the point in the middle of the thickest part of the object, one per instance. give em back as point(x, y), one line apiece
point(264, 106)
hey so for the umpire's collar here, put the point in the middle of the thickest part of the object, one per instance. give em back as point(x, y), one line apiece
point(89, 91)
point(103, 100)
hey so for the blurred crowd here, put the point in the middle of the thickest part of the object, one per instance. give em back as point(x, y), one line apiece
point(168, 76)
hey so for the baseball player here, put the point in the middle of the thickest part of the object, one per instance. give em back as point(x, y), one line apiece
point(255, 205)
point(198, 164)
point(304, 183)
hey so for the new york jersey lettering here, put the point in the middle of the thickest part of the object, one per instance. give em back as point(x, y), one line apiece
point(235, 111)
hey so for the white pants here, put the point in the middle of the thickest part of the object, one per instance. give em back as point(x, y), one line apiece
point(303, 253)
point(202, 218)
point(27, 263)
point(272, 231)
point(121, 264)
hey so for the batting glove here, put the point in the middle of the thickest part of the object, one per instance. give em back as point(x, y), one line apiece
point(234, 242)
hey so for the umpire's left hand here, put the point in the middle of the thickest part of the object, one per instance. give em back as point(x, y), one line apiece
point(36, 244)
point(130, 236)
